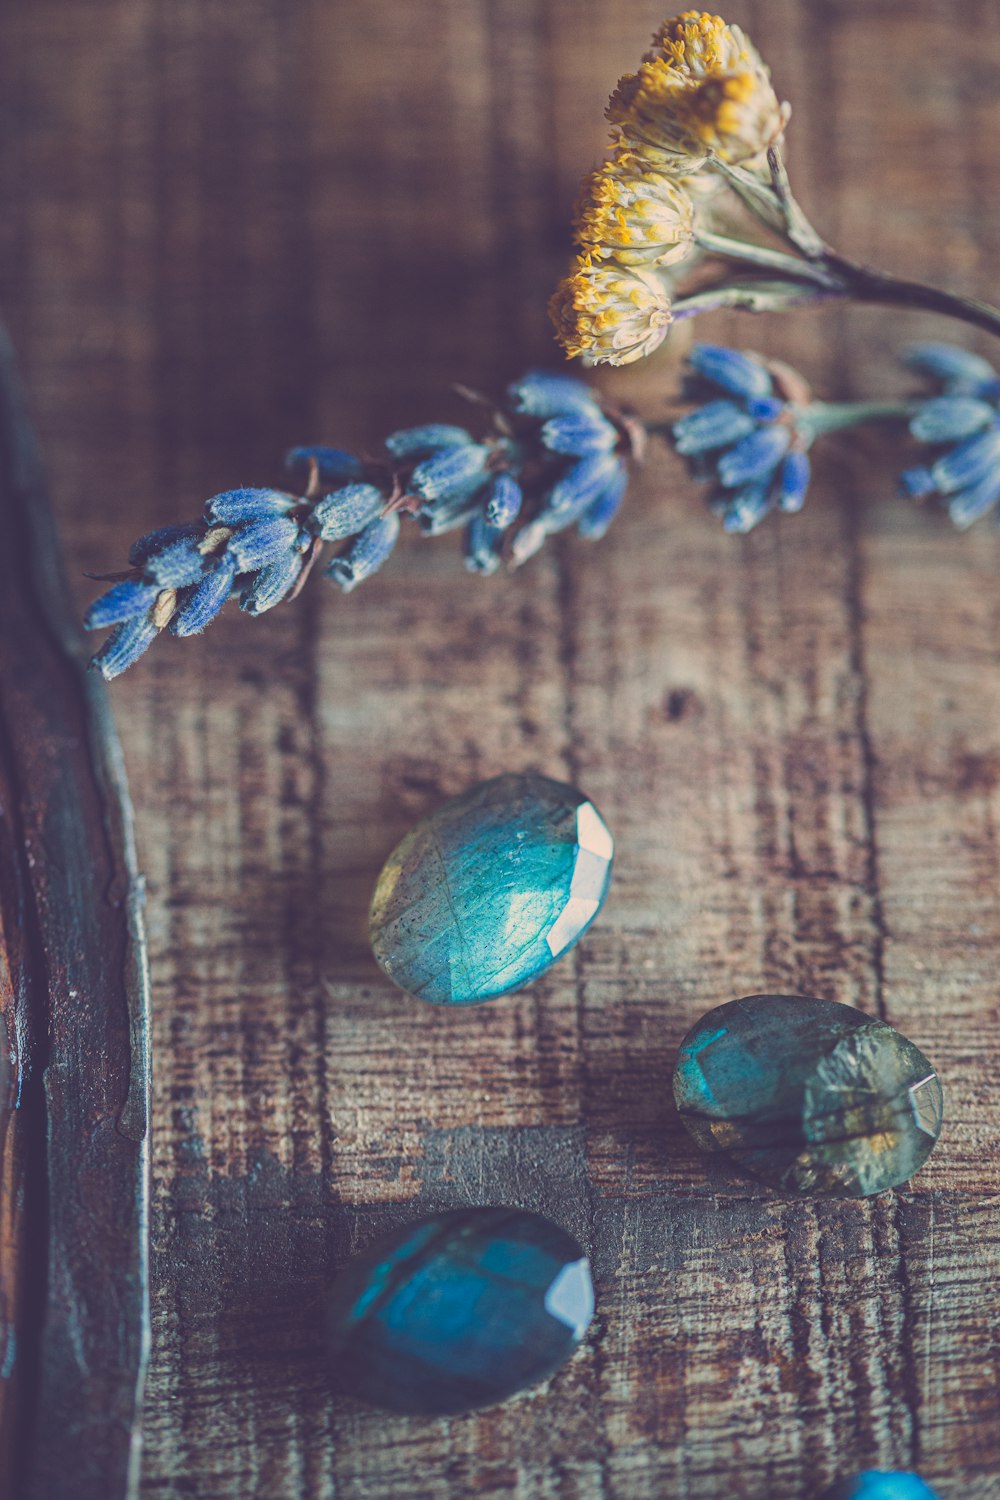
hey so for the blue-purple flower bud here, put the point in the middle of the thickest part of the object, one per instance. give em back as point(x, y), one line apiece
point(754, 456)
point(200, 605)
point(262, 542)
point(233, 507)
point(124, 601)
point(410, 442)
point(367, 553)
point(124, 646)
point(539, 394)
point(346, 511)
point(730, 369)
point(504, 500)
point(715, 425)
point(333, 464)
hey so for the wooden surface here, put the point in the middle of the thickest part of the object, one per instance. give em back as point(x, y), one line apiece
point(227, 228)
point(74, 1105)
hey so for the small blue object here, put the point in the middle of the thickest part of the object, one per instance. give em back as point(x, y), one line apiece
point(234, 507)
point(715, 425)
point(367, 553)
point(177, 564)
point(458, 1311)
point(346, 511)
point(199, 605)
point(541, 394)
point(124, 601)
point(412, 442)
point(504, 500)
point(450, 474)
point(731, 369)
point(579, 433)
point(332, 465)
point(262, 542)
point(881, 1484)
point(754, 457)
point(489, 891)
point(807, 1095)
point(271, 584)
point(963, 423)
point(124, 646)
point(482, 545)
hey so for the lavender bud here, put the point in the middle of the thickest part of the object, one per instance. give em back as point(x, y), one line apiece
point(917, 483)
point(715, 425)
point(345, 511)
point(730, 369)
point(970, 504)
point(334, 465)
point(367, 553)
point(271, 584)
point(176, 565)
point(960, 369)
point(793, 481)
point(200, 607)
point(233, 507)
point(124, 646)
point(452, 473)
point(504, 501)
point(411, 441)
point(601, 512)
point(968, 463)
point(580, 485)
point(754, 456)
point(154, 541)
point(482, 545)
point(747, 507)
point(262, 542)
point(528, 541)
point(945, 419)
point(124, 601)
point(579, 433)
point(539, 394)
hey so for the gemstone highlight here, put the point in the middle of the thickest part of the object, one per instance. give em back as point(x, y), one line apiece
point(881, 1484)
point(489, 891)
point(807, 1095)
point(458, 1311)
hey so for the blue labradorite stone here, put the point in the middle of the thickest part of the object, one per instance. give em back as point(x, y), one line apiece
point(485, 894)
point(881, 1484)
point(808, 1096)
point(458, 1311)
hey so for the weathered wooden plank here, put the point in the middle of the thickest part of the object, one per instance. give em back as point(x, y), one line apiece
point(74, 1307)
point(317, 216)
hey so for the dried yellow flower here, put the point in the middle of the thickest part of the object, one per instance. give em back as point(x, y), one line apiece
point(702, 91)
point(607, 313)
point(633, 215)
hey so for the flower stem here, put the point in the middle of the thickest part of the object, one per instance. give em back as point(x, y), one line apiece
point(822, 417)
point(792, 266)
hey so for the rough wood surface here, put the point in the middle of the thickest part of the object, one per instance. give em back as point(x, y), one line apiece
point(231, 227)
point(74, 1020)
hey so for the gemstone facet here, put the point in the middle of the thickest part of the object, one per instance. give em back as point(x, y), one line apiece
point(458, 1311)
point(808, 1096)
point(489, 891)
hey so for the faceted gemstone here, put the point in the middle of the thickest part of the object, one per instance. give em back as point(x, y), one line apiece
point(490, 890)
point(881, 1484)
point(808, 1096)
point(458, 1311)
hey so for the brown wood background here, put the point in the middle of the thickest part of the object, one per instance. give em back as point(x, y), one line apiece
point(228, 227)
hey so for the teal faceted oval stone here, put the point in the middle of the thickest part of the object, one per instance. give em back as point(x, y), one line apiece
point(881, 1484)
point(808, 1096)
point(489, 891)
point(458, 1311)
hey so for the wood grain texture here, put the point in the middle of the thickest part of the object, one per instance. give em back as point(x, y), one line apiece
point(238, 227)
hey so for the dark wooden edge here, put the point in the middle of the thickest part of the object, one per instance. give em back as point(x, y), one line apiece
point(74, 1002)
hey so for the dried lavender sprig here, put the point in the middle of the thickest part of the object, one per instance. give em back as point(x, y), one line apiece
point(552, 458)
point(751, 432)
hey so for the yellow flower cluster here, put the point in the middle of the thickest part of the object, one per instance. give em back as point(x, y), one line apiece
point(702, 92)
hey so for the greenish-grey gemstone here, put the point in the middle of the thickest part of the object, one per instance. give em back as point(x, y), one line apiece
point(458, 1311)
point(808, 1096)
point(881, 1484)
point(489, 891)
